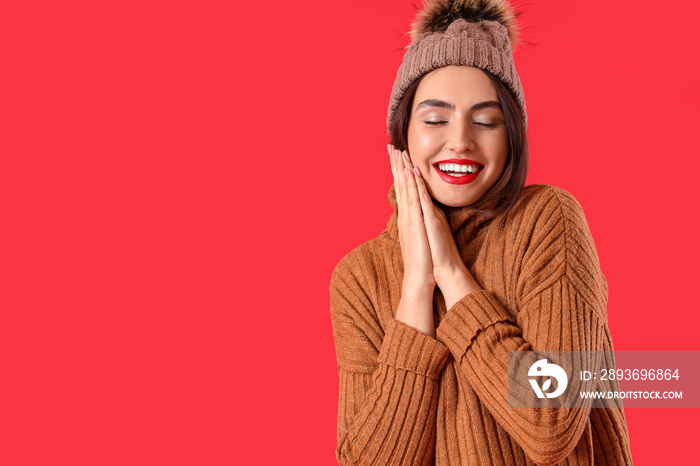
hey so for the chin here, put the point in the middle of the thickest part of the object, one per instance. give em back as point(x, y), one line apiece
point(459, 204)
point(455, 202)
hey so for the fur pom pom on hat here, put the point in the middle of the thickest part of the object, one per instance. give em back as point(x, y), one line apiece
point(480, 33)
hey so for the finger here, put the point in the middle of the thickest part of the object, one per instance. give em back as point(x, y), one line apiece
point(400, 167)
point(392, 162)
point(400, 182)
point(407, 159)
point(413, 200)
point(425, 200)
point(398, 177)
point(411, 188)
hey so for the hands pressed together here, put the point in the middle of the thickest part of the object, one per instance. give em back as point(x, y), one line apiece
point(430, 255)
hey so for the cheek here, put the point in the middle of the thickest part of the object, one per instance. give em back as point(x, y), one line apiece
point(422, 145)
point(422, 139)
point(499, 150)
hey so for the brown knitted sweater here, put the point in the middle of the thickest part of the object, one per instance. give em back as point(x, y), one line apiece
point(407, 398)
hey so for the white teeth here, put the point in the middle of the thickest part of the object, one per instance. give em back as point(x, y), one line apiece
point(458, 168)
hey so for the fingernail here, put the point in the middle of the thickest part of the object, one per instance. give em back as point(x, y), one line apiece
point(388, 149)
point(405, 155)
point(417, 172)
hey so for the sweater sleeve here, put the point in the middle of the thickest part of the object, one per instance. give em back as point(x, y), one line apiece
point(562, 298)
point(388, 386)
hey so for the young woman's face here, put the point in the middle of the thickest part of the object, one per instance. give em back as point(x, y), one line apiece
point(457, 126)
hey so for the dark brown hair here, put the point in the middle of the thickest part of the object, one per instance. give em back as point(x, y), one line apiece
point(507, 190)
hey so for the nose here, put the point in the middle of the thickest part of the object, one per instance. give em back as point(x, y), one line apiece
point(460, 138)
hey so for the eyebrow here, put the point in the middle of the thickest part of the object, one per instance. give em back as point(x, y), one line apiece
point(443, 104)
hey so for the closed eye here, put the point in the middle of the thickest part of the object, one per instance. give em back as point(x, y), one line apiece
point(487, 125)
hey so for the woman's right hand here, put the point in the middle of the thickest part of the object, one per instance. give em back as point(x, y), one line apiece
point(416, 307)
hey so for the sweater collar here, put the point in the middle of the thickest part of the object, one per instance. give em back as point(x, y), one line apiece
point(460, 219)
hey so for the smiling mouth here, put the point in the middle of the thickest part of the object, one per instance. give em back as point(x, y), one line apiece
point(458, 170)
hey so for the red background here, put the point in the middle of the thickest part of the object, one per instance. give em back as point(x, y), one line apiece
point(179, 180)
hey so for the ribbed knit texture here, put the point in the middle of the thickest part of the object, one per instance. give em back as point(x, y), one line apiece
point(407, 398)
point(485, 45)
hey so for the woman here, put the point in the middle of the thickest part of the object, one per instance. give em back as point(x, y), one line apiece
point(472, 265)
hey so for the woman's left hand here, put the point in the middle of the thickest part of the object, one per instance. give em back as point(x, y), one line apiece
point(451, 274)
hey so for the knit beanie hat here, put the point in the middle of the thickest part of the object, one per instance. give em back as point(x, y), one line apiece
point(480, 33)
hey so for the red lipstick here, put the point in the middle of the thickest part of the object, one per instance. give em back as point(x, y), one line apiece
point(464, 179)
